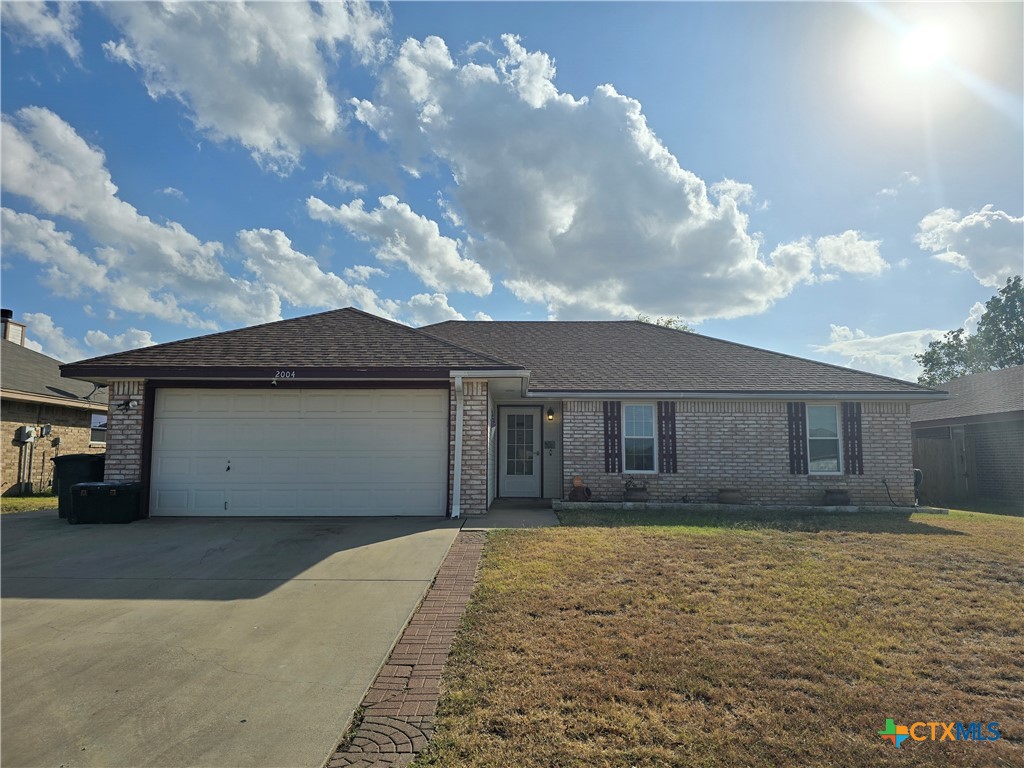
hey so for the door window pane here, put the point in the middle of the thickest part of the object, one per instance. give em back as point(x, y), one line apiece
point(519, 444)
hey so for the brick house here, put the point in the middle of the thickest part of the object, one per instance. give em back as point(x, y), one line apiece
point(33, 394)
point(344, 413)
point(971, 446)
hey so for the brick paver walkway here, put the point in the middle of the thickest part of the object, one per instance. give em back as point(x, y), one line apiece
point(399, 708)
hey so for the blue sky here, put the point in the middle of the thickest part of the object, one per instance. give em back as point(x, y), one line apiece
point(836, 181)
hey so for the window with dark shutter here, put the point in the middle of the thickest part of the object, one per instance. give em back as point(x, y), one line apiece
point(797, 438)
point(666, 436)
point(612, 436)
point(853, 447)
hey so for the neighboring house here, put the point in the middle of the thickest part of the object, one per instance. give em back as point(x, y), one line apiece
point(972, 445)
point(344, 413)
point(33, 395)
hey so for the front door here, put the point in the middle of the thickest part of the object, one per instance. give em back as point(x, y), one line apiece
point(519, 453)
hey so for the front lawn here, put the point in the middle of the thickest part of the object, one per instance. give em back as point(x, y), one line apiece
point(10, 504)
point(738, 641)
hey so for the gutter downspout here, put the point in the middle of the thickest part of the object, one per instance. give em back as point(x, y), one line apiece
point(457, 473)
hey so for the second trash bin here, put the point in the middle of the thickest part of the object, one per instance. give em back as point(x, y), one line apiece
point(74, 468)
point(104, 502)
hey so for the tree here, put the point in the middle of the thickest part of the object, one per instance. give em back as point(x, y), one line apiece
point(998, 342)
point(675, 323)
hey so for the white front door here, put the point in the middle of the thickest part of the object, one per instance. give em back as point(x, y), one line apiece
point(519, 458)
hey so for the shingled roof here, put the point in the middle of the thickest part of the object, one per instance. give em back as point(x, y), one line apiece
point(980, 394)
point(29, 375)
point(631, 356)
point(337, 344)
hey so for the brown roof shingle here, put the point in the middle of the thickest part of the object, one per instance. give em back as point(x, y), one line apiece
point(980, 394)
point(335, 343)
point(27, 371)
point(631, 356)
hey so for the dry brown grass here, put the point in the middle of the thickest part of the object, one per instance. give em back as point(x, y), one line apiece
point(775, 643)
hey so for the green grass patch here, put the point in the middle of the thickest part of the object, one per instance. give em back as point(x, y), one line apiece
point(9, 504)
point(737, 640)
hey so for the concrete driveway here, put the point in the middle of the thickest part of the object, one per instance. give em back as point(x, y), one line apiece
point(190, 642)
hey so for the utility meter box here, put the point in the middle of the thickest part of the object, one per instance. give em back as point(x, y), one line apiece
point(25, 435)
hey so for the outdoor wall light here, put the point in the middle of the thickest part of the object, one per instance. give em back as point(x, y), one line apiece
point(551, 413)
point(124, 405)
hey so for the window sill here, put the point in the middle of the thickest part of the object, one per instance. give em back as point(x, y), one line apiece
point(97, 445)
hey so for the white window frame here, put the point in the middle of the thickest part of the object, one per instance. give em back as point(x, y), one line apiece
point(838, 438)
point(98, 443)
point(654, 440)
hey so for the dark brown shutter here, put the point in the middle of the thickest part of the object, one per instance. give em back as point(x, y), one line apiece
point(612, 436)
point(853, 448)
point(797, 438)
point(666, 436)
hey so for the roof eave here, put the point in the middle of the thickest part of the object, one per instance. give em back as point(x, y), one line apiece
point(910, 397)
point(67, 402)
point(106, 373)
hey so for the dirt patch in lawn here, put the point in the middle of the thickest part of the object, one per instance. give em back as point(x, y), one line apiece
point(750, 643)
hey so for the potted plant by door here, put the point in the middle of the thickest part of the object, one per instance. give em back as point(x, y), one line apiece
point(635, 490)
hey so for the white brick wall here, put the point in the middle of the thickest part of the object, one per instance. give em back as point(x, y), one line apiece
point(745, 445)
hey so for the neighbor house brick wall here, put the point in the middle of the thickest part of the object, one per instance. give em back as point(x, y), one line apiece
point(124, 432)
point(474, 447)
point(744, 445)
point(998, 450)
point(72, 426)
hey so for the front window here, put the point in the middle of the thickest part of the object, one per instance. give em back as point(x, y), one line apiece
point(823, 438)
point(99, 428)
point(638, 438)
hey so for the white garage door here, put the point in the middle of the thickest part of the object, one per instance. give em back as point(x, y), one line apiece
point(299, 452)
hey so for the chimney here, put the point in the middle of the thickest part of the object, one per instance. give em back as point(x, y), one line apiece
point(10, 330)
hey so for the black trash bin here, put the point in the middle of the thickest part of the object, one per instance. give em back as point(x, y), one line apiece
point(74, 468)
point(104, 502)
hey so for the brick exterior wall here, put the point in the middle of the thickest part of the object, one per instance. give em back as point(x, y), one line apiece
point(73, 426)
point(744, 445)
point(998, 460)
point(124, 432)
point(474, 447)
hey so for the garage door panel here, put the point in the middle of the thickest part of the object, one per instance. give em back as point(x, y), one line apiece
point(300, 452)
point(284, 403)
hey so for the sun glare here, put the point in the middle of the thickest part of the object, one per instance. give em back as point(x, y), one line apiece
point(923, 48)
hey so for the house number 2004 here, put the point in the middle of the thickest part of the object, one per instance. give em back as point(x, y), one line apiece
point(284, 375)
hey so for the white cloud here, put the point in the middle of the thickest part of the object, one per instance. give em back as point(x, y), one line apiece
point(906, 179)
point(482, 316)
point(298, 278)
point(360, 273)
point(173, 192)
point(890, 355)
point(342, 185)
point(103, 344)
point(427, 308)
point(741, 192)
point(974, 317)
point(50, 338)
point(147, 265)
point(575, 201)
point(401, 236)
point(987, 243)
point(69, 270)
point(448, 213)
point(256, 73)
point(43, 24)
point(849, 252)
